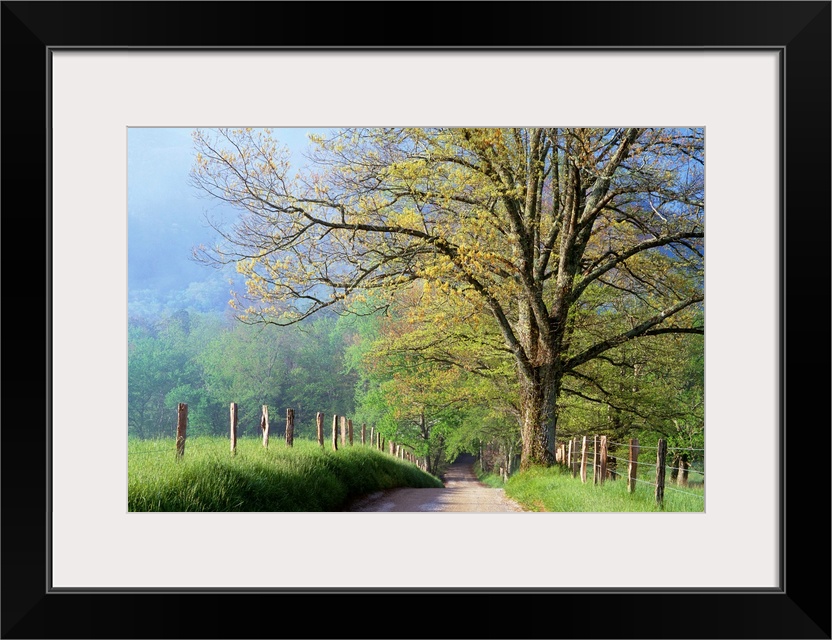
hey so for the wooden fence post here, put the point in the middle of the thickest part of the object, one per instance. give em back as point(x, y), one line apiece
point(392, 448)
point(264, 426)
point(181, 429)
point(233, 412)
point(335, 432)
point(343, 431)
point(632, 469)
point(602, 466)
point(363, 433)
point(319, 422)
point(349, 430)
point(576, 464)
point(682, 478)
point(290, 427)
point(583, 460)
point(661, 460)
point(594, 459)
point(372, 436)
point(574, 458)
point(569, 456)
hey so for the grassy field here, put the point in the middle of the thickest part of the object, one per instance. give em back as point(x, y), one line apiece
point(554, 489)
point(305, 477)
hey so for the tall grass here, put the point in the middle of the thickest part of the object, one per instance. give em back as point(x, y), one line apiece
point(305, 477)
point(554, 489)
point(492, 480)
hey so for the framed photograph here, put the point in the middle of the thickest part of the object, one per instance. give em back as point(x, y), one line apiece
point(753, 76)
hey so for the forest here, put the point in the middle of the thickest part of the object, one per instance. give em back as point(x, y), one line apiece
point(360, 366)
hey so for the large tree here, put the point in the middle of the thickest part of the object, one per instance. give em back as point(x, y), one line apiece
point(575, 241)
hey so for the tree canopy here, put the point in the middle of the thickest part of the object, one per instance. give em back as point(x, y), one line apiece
point(566, 243)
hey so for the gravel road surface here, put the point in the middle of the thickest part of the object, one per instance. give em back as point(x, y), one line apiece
point(462, 493)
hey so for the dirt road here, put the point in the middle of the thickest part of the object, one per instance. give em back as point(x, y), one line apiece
point(462, 492)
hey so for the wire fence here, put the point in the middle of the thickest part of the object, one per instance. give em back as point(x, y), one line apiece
point(649, 467)
point(644, 446)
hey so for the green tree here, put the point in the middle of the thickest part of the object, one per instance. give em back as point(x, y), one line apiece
point(248, 366)
point(164, 369)
point(519, 223)
point(319, 379)
point(426, 366)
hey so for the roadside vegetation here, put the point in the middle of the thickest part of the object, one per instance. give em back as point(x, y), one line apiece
point(305, 477)
point(491, 479)
point(554, 489)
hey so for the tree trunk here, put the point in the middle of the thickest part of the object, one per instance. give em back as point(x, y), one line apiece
point(539, 416)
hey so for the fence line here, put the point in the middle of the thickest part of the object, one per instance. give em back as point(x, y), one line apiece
point(644, 446)
point(376, 441)
point(689, 493)
point(638, 463)
point(643, 462)
point(624, 444)
point(688, 469)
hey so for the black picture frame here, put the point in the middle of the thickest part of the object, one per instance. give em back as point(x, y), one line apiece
point(800, 608)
